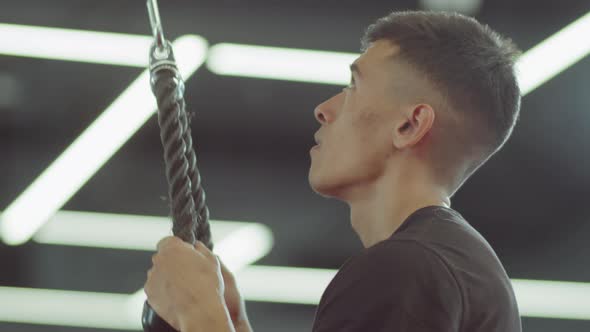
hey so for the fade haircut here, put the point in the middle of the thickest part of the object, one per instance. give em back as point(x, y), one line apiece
point(470, 66)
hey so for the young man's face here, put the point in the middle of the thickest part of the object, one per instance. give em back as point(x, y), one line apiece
point(355, 137)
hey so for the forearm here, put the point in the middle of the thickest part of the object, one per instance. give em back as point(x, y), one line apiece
point(210, 319)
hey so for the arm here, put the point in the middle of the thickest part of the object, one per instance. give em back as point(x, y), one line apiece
point(214, 318)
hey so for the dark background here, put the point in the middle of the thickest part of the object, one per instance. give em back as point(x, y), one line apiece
point(253, 137)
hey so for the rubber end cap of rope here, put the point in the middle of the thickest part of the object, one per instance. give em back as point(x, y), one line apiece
point(151, 322)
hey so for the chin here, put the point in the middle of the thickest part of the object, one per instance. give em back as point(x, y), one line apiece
point(314, 183)
point(320, 187)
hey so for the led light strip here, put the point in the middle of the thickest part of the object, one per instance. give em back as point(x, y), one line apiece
point(117, 311)
point(533, 68)
point(284, 284)
point(560, 299)
point(553, 299)
point(74, 45)
point(134, 232)
point(563, 300)
point(92, 149)
point(280, 63)
point(554, 55)
point(66, 308)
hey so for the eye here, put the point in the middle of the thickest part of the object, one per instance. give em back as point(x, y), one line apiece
point(351, 84)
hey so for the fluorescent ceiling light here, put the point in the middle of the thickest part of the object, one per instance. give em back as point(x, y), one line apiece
point(92, 149)
point(123, 311)
point(66, 308)
point(237, 243)
point(284, 284)
point(75, 45)
point(554, 54)
point(553, 299)
point(241, 245)
point(534, 67)
point(466, 7)
point(563, 300)
point(280, 63)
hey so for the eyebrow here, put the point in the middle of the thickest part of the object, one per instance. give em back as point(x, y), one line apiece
point(355, 68)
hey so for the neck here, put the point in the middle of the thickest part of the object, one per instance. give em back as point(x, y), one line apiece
point(378, 209)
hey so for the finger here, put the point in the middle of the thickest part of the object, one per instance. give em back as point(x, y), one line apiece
point(224, 268)
point(165, 242)
point(228, 276)
point(202, 248)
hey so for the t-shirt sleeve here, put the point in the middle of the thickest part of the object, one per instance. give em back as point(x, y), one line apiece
point(396, 285)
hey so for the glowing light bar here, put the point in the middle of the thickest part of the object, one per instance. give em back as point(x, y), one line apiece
point(553, 299)
point(74, 45)
point(284, 284)
point(244, 245)
point(563, 300)
point(67, 308)
point(237, 243)
point(535, 67)
point(280, 63)
point(554, 54)
point(92, 149)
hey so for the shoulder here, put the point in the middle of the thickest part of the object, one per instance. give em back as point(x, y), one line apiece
point(399, 259)
point(397, 267)
point(395, 281)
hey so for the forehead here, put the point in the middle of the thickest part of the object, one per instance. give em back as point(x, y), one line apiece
point(378, 52)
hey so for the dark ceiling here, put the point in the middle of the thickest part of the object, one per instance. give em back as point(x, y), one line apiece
point(252, 137)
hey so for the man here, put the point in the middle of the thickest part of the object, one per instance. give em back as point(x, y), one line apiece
point(432, 97)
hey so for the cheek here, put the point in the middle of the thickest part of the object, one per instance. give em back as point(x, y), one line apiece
point(355, 153)
point(368, 119)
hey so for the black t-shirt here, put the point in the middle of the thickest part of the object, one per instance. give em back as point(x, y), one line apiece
point(436, 273)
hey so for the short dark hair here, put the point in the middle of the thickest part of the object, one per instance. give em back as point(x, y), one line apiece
point(471, 65)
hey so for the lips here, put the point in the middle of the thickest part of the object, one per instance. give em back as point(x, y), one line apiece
point(317, 142)
point(317, 139)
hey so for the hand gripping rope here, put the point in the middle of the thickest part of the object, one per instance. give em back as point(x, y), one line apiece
point(190, 216)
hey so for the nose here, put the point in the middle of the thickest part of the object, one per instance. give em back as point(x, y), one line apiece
point(320, 113)
point(324, 111)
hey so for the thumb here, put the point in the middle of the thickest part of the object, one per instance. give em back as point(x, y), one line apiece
point(225, 272)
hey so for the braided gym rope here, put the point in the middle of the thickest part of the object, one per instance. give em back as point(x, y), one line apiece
point(190, 215)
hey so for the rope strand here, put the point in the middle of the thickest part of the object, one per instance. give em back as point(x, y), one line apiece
point(202, 229)
point(172, 135)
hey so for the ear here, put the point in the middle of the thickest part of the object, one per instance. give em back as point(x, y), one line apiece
point(414, 127)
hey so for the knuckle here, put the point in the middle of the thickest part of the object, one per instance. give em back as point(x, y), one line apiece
point(166, 241)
